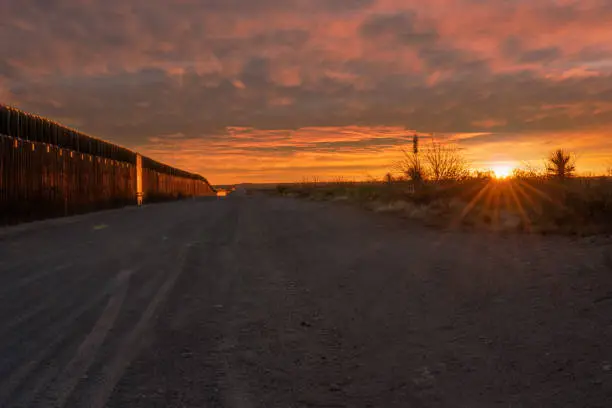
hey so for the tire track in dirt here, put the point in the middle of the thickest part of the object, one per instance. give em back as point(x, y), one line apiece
point(97, 396)
point(62, 386)
point(61, 331)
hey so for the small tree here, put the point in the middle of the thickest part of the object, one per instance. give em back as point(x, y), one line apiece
point(388, 178)
point(561, 164)
point(445, 162)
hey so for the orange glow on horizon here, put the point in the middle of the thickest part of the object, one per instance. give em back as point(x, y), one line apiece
point(502, 171)
point(249, 155)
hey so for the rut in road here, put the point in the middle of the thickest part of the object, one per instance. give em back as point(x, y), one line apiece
point(264, 302)
point(71, 338)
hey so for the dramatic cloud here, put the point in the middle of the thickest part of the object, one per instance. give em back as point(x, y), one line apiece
point(398, 28)
point(177, 78)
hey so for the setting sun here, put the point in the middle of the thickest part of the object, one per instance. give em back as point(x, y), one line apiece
point(502, 171)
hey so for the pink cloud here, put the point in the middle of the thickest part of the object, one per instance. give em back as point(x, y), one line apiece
point(322, 75)
point(490, 123)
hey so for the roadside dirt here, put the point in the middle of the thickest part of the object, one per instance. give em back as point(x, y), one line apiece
point(253, 301)
point(313, 305)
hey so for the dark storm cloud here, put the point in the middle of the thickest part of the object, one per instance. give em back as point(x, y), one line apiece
point(195, 108)
point(516, 49)
point(365, 144)
point(132, 70)
point(260, 6)
point(540, 55)
point(403, 28)
point(453, 59)
point(256, 72)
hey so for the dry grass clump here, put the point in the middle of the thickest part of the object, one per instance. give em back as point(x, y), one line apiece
point(436, 186)
point(537, 204)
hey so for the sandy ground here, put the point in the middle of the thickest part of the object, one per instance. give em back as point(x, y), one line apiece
point(253, 301)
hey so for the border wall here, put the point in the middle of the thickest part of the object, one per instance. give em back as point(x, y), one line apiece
point(49, 170)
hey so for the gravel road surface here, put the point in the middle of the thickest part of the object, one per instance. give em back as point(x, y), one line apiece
point(253, 301)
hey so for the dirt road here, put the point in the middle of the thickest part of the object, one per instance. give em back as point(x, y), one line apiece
point(270, 302)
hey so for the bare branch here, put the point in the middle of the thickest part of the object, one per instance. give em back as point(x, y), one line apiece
point(446, 162)
point(410, 165)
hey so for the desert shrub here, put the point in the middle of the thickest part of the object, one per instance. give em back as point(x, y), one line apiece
point(438, 162)
point(426, 195)
point(590, 201)
point(410, 165)
point(445, 162)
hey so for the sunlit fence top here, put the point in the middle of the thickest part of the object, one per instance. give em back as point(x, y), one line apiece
point(18, 124)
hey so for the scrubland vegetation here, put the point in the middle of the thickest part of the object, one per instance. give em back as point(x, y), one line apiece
point(437, 187)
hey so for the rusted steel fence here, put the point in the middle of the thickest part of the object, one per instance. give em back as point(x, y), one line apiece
point(161, 182)
point(48, 170)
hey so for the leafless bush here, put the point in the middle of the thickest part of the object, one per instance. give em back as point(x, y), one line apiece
point(439, 162)
point(311, 182)
point(341, 181)
point(410, 165)
point(529, 171)
point(483, 174)
point(445, 162)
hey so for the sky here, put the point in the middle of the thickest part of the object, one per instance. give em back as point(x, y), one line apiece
point(283, 90)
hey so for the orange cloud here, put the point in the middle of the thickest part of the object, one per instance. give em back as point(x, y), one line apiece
point(489, 123)
point(287, 84)
point(355, 152)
